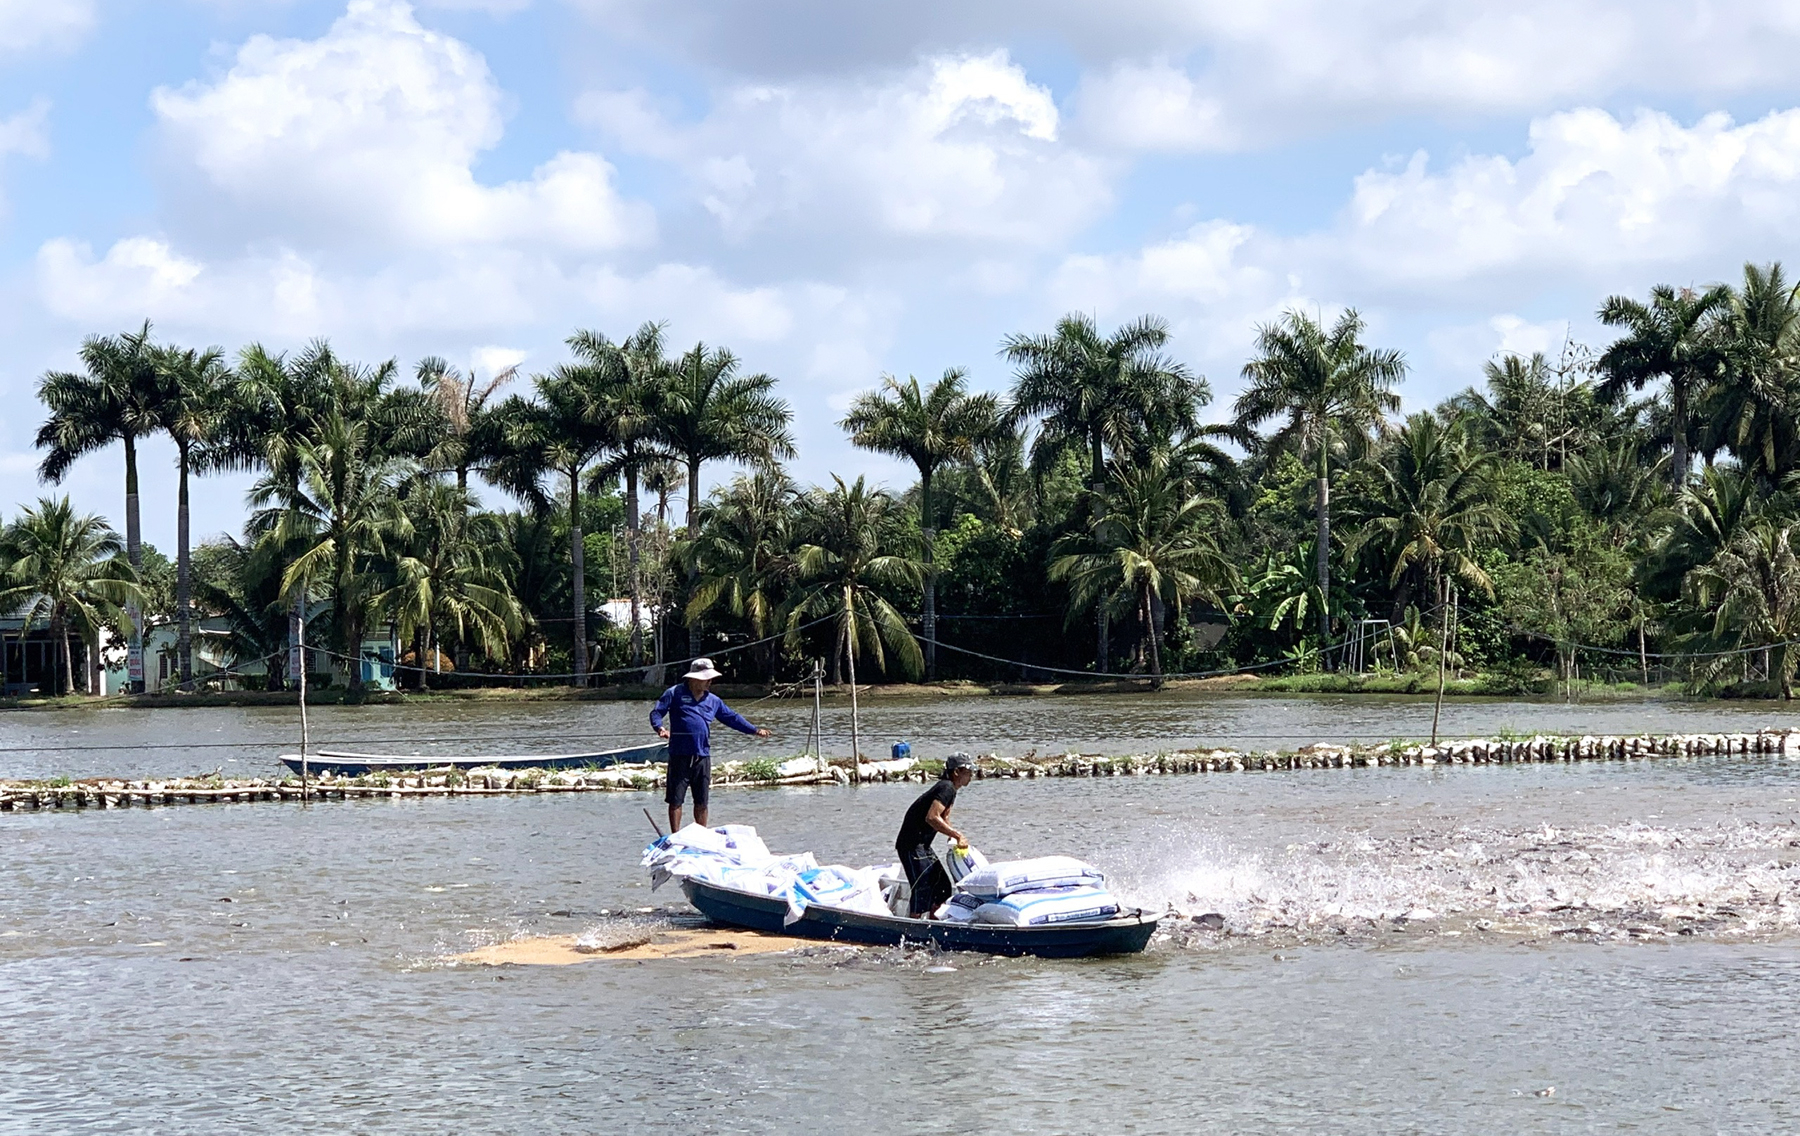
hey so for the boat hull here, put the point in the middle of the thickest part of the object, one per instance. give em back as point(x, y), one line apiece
point(357, 764)
point(1123, 936)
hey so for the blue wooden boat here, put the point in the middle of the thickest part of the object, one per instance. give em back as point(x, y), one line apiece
point(357, 764)
point(1125, 935)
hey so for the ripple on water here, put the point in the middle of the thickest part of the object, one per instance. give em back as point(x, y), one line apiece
point(132, 998)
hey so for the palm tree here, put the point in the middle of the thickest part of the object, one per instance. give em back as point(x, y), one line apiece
point(189, 403)
point(928, 428)
point(561, 434)
point(850, 553)
point(1612, 484)
point(241, 582)
point(1151, 548)
point(461, 400)
point(628, 379)
point(745, 553)
point(1676, 336)
point(276, 404)
point(1332, 390)
point(1710, 514)
point(1753, 589)
point(709, 412)
point(447, 575)
point(1519, 413)
point(89, 412)
point(64, 569)
point(342, 518)
point(1751, 409)
point(1094, 393)
point(663, 478)
point(1429, 506)
point(534, 571)
point(1001, 484)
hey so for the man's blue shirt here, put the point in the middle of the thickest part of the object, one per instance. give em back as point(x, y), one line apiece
point(690, 720)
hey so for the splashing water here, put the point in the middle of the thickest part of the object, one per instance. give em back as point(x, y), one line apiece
point(1632, 880)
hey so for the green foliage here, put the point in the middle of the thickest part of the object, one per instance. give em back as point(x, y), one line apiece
point(762, 769)
point(64, 570)
point(1553, 500)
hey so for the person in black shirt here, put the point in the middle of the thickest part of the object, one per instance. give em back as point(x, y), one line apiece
point(928, 816)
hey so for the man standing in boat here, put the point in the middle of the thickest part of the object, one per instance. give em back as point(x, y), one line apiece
point(928, 816)
point(690, 707)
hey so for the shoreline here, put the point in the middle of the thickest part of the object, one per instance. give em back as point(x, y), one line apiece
point(1404, 686)
point(445, 781)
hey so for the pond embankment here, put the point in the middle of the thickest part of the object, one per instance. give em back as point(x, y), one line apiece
point(1495, 685)
point(445, 781)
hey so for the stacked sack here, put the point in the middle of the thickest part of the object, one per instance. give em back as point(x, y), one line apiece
point(1028, 893)
point(734, 856)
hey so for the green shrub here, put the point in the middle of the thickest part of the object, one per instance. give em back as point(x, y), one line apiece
point(762, 769)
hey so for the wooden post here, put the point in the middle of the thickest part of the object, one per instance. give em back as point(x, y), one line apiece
point(855, 718)
point(305, 739)
point(1443, 649)
point(816, 740)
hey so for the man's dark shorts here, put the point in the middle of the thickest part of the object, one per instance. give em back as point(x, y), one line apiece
point(925, 872)
point(686, 773)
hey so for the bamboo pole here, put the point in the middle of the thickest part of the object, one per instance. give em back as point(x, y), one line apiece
point(305, 737)
point(816, 741)
point(855, 717)
point(1437, 708)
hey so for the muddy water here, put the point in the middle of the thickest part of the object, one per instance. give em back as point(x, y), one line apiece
point(1402, 950)
point(138, 743)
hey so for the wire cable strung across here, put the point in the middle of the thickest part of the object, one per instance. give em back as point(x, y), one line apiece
point(1630, 654)
point(721, 652)
point(912, 735)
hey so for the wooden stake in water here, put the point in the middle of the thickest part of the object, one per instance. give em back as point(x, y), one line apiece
point(816, 742)
point(305, 739)
point(855, 718)
point(1443, 649)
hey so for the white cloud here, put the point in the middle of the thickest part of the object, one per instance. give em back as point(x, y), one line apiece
point(491, 7)
point(1262, 73)
point(1593, 201)
point(1596, 205)
point(1461, 349)
point(370, 134)
point(1154, 105)
point(43, 24)
point(959, 146)
point(820, 331)
point(1594, 194)
point(1206, 74)
point(27, 132)
point(490, 360)
point(1213, 283)
point(138, 274)
point(1201, 266)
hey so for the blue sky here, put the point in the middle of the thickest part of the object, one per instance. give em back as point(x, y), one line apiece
point(841, 190)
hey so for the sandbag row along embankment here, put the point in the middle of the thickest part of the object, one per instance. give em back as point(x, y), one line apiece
point(1325, 755)
point(103, 792)
point(443, 781)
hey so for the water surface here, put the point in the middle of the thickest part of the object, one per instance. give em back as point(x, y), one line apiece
point(1404, 950)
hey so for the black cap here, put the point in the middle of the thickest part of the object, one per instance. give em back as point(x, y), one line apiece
point(957, 761)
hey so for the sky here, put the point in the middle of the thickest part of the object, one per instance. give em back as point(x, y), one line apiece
point(842, 189)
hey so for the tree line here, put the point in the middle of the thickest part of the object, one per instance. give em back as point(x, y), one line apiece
point(1090, 519)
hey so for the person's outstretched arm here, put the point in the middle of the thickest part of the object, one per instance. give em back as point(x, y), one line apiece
point(738, 722)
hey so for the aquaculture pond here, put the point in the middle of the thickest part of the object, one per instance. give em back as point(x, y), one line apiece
point(1354, 950)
